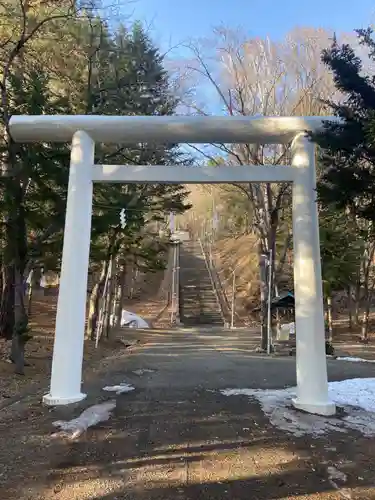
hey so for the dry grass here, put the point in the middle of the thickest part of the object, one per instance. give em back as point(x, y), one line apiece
point(239, 254)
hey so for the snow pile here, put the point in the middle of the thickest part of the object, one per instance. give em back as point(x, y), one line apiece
point(359, 392)
point(130, 320)
point(91, 416)
point(355, 396)
point(355, 360)
point(119, 389)
point(141, 371)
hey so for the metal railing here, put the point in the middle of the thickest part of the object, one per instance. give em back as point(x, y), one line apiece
point(215, 285)
point(169, 290)
point(175, 285)
point(228, 304)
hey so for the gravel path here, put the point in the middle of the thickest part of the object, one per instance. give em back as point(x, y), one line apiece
point(176, 437)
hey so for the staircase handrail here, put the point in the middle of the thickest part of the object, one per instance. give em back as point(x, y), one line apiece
point(222, 291)
point(175, 291)
point(213, 283)
point(219, 284)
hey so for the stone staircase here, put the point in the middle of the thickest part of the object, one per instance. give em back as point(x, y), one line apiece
point(198, 302)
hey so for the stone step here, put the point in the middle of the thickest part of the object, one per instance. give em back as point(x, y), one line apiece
point(198, 302)
point(199, 321)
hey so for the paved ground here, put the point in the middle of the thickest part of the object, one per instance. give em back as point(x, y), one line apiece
point(175, 437)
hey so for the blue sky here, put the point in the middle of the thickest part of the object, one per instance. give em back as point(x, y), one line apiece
point(175, 21)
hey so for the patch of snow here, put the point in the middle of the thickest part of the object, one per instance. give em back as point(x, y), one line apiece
point(89, 417)
point(359, 392)
point(356, 396)
point(355, 360)
point(130, 320)
point(119, 389)
point(334, 473)
point(141, 371)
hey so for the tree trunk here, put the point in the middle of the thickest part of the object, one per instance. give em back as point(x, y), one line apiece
point(1, 274)
point(279, 270)
point(365, 322)
point(102, 313)
point(109, 298)
point(34, 283)
point(7, 321)
point(13, 317)
point(94, 302)
point(329, 318)
point(30, 290)
point(20, 334)
point(120, 295)
point(263, 299)
point(350, 307)
point(357, 302)
point(7, 302)
point(366, 316)
point(367, 264)
point(134, 277)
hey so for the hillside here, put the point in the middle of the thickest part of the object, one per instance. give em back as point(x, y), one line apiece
point(239, 255)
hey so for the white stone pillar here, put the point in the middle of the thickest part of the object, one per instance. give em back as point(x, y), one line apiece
point(312, 383)
point(66, 376)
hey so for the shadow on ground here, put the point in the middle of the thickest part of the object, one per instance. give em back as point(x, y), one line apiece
point(209, 447)
point(177, 437)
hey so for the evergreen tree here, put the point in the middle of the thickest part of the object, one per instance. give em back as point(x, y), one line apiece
point(124, 75)
point(341, 249)
point(131, 81)
point(347, 158)
point(347, 147)
point(32, 201)
point(135, 83)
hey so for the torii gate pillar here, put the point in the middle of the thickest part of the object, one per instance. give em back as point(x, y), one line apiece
point(312, 382)
point(66, 376)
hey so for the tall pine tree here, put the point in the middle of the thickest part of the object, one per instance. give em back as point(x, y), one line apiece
point(347, 155)
point(347, 147)
point(131, 80)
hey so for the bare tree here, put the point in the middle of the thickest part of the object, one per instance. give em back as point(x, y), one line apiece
point(253, 76)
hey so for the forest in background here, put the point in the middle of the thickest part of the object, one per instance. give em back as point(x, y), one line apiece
point(64, 58)
point(71, 57)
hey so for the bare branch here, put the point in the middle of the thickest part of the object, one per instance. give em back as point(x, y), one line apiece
point(253, 76)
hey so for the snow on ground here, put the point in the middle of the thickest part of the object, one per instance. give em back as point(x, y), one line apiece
point(335, 475)
point(355, 396)
point(142, 371)
point(119, 389)
point(130, 320)
point(355, 360)
point(91, 416)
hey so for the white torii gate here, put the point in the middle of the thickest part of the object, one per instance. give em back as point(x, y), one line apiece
point(84, 131)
